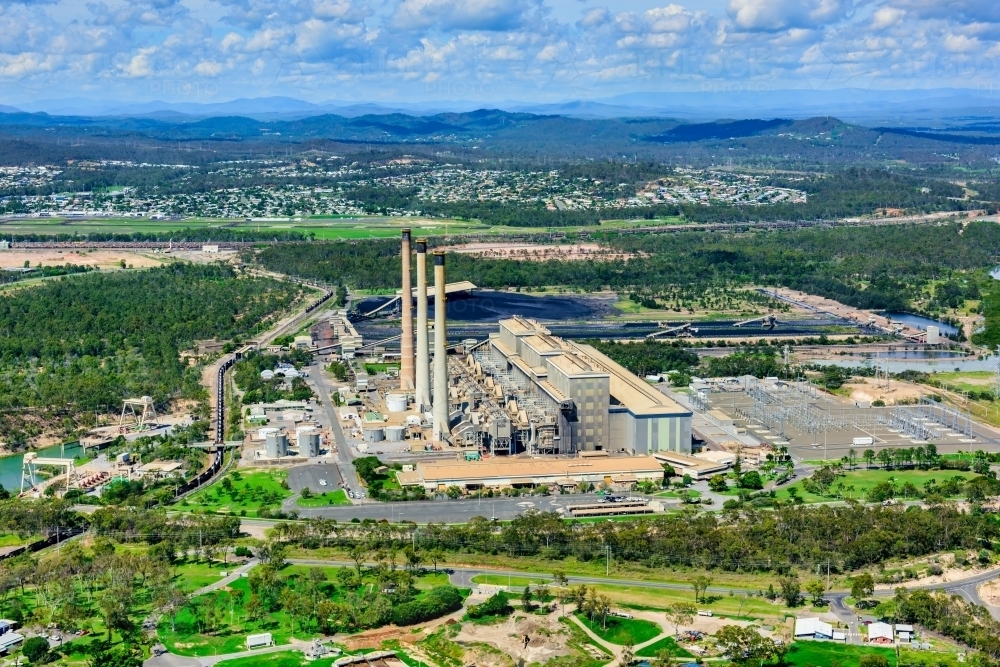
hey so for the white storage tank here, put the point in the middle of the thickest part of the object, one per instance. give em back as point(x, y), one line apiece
point(307, 438)
point(933, 335)
point(395, 433)
point(267, 375)
point(396, 402)
point(373, 434)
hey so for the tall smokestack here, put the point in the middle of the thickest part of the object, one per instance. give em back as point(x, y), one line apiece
point(423, 394)
point(406, 376)
point(441, 430)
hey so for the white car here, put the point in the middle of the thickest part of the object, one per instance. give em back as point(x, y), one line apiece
point(322, 482)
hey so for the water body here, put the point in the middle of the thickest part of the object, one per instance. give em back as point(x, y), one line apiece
point(926, 366)
point(921, 322)
point(915, 354)
point(10, 466)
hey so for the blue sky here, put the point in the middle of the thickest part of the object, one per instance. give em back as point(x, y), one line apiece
point(486, 50)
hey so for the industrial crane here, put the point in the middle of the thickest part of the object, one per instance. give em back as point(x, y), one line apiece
point(766, 322)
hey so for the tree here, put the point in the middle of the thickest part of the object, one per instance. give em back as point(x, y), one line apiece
point(668, 472)
point(884, 457)
point(862, 586)
point(816, 588)
point(718, 484)
point(751, 480)
point(873, 660)
point(359, 554)
point(454, 492)
point(559, 578)
point(744, 646)
point(680, 614)
point(700, 585)
point(435, 556)
point(526, 598)
point(869, 457)
point(628, 654)
point(35, 649)
point(790, 590)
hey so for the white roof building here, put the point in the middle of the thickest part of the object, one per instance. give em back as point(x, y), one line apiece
point(9, 640)
point(880, 633)
point(813, 627)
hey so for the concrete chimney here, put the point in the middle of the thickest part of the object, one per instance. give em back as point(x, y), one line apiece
point(423, 393)
point(441, 430)
point(407, 378)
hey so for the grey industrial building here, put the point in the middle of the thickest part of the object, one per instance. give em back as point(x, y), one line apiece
point(527, 390)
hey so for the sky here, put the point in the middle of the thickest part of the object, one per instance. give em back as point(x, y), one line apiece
point(537, 51)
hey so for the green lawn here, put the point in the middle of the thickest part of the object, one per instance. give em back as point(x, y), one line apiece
point(513, 582)
point(864, 479)
point(666, 644)
point(192, 575)
point(326, 499)
point(622, 630)
point(249, 492)
point(677, 494)
point(817, 654)
point(280, 659)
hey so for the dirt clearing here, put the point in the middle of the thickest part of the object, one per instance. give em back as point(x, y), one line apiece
point(105, 259)
point(549, 638)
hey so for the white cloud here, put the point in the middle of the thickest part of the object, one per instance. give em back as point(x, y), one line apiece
point(139, 66)
point(209, 68)
point(886, 17)
point(780, 14)
point(961, 43)
point(492, 15)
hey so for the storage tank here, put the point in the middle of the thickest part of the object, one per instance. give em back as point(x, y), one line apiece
point(373, 434)
point(395, 433)
point(395, 402)
point(933, 335)
point(276, 445)
point(267, 375)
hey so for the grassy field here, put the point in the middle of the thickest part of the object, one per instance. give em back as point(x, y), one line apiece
point(326, 499)
point(814, 654)
point(248, 492)
point(622, 630)
point(666, 644)
point(502, 580)
point(192, 575)
point(280, 659)
point(863, 479)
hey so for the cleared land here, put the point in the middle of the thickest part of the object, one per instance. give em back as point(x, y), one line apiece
point(105, 259)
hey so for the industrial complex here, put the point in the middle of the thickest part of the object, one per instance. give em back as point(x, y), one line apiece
point(520, 391)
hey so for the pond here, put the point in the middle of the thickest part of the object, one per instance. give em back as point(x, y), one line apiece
point(921, 322)
point(10, 466)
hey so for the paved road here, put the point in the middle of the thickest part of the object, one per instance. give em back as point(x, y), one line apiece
point(321, 386)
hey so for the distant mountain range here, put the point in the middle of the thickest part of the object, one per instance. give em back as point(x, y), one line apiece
point(877, 107)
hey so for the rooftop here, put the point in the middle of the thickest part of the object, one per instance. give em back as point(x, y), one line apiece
point(631, 391)
point(507, 468)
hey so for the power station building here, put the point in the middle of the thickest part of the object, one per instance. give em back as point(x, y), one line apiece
point(563, 397)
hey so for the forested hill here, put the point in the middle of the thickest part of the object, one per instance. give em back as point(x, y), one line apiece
point(871, 267)
point(77, 345)
point(40, 138)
